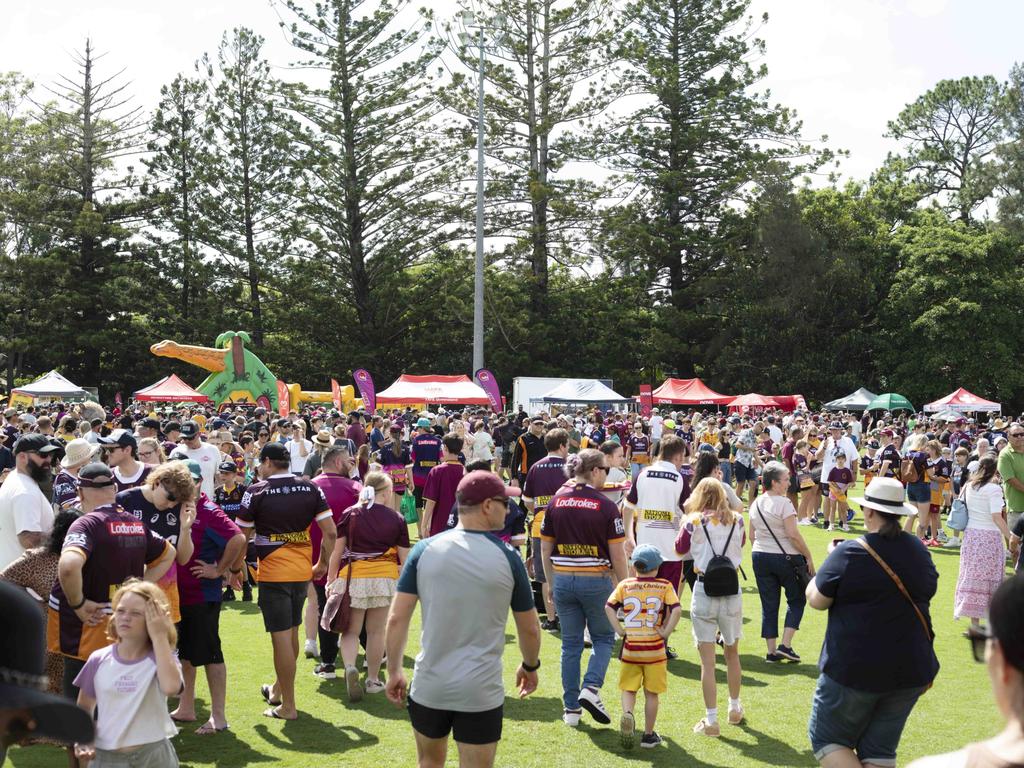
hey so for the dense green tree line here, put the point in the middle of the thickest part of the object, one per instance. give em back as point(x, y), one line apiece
point(648, 210)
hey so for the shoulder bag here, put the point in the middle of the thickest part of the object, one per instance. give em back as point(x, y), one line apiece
point(338, 608)
point(958, 514)
point(800, 569)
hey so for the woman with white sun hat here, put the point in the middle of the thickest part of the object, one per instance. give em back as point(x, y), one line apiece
point(877, 658)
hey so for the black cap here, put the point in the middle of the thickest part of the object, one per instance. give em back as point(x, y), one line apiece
point(274, 452)
point(150, 423)
point(227, 466)
point(34, 443)
point(189, 430)
point(121, 438)
point(95, 474)
point(23, 686)
point(172, 426)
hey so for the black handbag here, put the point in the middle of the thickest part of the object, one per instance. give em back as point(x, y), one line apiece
point(797, 562)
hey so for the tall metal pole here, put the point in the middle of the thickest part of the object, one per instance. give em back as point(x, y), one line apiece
point(478, 282)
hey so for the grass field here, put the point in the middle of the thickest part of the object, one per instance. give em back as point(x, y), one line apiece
point(776, 698)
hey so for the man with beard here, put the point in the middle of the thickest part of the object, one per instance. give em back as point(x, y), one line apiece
point(26, 515)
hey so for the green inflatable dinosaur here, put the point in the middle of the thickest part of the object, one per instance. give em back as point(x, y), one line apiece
point(236, 374)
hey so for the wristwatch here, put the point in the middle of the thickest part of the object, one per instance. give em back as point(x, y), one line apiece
point(528, 668)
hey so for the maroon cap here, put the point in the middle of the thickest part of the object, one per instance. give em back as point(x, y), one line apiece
point(478, 486)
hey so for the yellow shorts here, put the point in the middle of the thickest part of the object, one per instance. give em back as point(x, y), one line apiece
point(653, 678)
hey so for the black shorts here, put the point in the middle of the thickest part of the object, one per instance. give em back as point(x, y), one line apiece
point(281, 603)
point(742, 473)
point(467, 727)
point(417, 492)
point(794, 484)
point(199, 634)
point(689, 573)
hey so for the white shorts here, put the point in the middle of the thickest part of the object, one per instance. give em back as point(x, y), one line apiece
point(710, 615)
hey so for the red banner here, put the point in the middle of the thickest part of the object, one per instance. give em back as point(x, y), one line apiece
point(646, 400)
point(282, 399)
point(117, 399)
point(336, 393)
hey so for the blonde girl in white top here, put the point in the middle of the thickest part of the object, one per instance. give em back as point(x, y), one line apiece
point(714, 529)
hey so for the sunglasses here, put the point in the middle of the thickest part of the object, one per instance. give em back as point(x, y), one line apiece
point(978, 638)
point(169, 493)
point(1016, 434)
point(602, 467)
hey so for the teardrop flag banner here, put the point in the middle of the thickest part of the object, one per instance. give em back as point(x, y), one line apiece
point(336, 393)
point(364, 382)
point(490, 385)
point(282, 399)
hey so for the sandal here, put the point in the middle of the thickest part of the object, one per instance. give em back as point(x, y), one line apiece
point(265, 692)
point(208, 727)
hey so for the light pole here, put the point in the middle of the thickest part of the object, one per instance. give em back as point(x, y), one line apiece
point(495, 23)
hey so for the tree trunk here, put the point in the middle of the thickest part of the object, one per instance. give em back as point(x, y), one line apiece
point(90, 360)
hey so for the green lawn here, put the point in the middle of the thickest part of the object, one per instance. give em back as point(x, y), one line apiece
point(776, 698)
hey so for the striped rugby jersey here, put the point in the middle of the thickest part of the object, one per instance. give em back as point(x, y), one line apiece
point(646, 604)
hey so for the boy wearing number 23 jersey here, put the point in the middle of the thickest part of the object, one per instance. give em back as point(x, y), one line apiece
point(650, 610)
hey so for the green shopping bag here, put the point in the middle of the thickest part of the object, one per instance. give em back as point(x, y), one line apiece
point(409, 508)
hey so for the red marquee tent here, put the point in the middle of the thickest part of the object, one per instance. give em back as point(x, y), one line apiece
point(790, 403)
point(961, 400)
point(688, 392)
point(171, 389)
point(753, 400)
point(427, 390)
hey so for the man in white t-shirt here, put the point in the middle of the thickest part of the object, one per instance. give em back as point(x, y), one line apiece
point(774, 432)
point(838, 442)
point(207, 456)
point(657, 423)
point(655, 501)
point(26, 516)
point(299, 448)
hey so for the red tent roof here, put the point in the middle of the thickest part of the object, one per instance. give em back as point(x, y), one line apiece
point(415, 390)
point(688, 392)
point(171, 389)
point(962, 400)
point(754, 400)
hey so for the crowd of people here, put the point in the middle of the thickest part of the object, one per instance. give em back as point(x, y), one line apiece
point(129, 530)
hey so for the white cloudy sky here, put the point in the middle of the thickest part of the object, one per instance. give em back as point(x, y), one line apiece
point(847, 66)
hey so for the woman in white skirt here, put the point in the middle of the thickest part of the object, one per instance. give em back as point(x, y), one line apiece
point(983, 552)
point(713, 529)
point(373, 541)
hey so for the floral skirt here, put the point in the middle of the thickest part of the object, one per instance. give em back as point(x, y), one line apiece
point(982, 568)
point(368, 593)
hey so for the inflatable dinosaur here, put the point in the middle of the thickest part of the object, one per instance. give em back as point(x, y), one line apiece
point(236, 374)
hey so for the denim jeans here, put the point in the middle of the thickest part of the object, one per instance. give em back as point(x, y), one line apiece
point(726, 467)
point(580, 602)
point(774, 573)
point(869, 723)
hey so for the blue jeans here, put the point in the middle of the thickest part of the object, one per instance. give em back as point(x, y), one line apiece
point(774, 573)
point(726, 467)
point(868, 723)
point(580, 602)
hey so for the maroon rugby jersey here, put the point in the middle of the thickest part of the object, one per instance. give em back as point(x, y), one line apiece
point(582, 523)
point(117, 546)
point(542, 482)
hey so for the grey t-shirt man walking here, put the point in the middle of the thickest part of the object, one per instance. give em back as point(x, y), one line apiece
point(467, 579)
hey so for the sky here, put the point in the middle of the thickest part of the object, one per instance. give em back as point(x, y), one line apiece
point(845, 66)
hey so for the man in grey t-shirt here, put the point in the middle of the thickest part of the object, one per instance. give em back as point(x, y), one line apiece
point(467, 579)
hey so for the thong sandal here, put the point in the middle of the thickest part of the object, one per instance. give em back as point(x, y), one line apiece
point(265, 692)
point(207, 728)
point(272, 712)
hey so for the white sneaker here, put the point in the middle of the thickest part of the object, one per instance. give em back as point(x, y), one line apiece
point(374, 686)
point(846, 527)
point(805, 521)
point(590, 700)
point(830, 528)
point(311, 651)
point(571, 717)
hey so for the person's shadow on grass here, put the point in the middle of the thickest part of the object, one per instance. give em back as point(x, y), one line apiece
point(670, 752)
point(542, 709)
point(231, 751)
point(768, 749)
point(313, 735)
